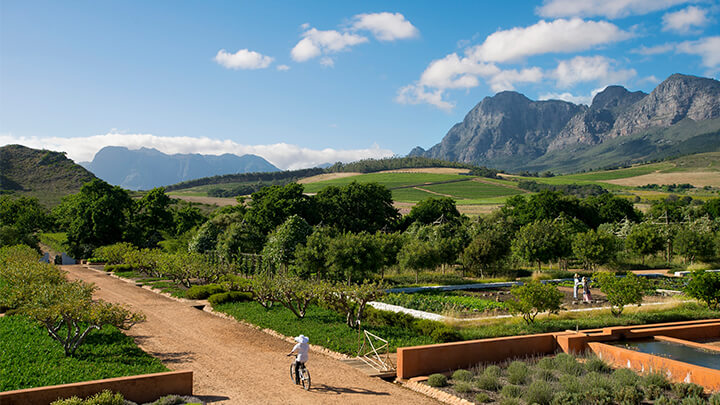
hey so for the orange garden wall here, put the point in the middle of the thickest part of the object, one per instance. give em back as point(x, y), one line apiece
point(139, 388)
point(424, 360)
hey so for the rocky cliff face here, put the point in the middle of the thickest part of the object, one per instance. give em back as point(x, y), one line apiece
point(509, 129)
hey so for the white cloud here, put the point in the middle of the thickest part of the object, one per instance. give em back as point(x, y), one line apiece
point(316, 42)
point(243, 59)
point(587, 100)
point(506, 79)
point(654, 50)
point(707, 48)
point(417, 94)
point(684, 21)
point(283, 68)
point(453, 72)
point(589, 69)
point(282, 155)
point(558, 36)
point(604, 8)
point(386, 26)
point(327, 61)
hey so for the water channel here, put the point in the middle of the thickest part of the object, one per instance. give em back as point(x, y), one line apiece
point(674, 351)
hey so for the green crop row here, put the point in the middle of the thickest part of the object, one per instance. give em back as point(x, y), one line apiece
point(442, 302)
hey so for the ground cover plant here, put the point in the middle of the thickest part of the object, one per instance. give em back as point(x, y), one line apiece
point(441, 302)
point(564, 379)
point(31, 358)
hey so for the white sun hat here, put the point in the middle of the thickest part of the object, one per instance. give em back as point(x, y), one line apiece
point(302, 339)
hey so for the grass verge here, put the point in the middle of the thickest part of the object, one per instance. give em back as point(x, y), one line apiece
point(30, 358)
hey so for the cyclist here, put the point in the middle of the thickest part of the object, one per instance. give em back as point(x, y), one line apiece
point(301, 348)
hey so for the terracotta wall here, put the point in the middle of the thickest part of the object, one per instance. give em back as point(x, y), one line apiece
point(424, 360)
point(676, 371)
point(140, 388)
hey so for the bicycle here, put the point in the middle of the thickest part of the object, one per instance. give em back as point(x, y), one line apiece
point(303, 373)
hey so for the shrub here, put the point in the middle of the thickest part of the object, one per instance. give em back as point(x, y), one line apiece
point(463, 387)
point(118, 267)
point(625, 377)
point(654, 385)
point(231, 296)
point(568, 364)
point(714, 399)
point(596, 364)
point(532, 298)
point(512, 391)
point(517, 372)
point(594, 379)
point(482, 398)
point(663, 400)
point(694, 400)
point(685, 390)
point(488, 382)
point(509, 401)
point(546, 363)
point(462, 375)
point(570, 384)
point(599, 396)
point(539, 392)
point(445, 334)
point(437, 380)
point(200, 292)
point(492, 371)
point(102, 398)
point(568, 398)
point(545, 375)
point(628, 395)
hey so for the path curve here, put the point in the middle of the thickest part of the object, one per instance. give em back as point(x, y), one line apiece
point(235, 363)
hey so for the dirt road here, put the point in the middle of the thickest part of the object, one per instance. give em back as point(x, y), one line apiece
point(234, 363)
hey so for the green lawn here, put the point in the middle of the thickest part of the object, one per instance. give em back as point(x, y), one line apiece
point(30, 358)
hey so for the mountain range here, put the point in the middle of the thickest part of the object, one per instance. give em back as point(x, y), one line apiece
point(146, 168)
point(511, 132)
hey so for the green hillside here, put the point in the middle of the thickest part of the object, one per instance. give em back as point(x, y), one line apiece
point(37, 173)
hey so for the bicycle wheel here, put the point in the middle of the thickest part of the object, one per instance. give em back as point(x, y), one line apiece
point(305, 378)
point(292, 372)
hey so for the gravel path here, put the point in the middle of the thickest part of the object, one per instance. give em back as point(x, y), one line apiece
point(234, 363)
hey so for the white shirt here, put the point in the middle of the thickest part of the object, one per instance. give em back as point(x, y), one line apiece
point(302, 352)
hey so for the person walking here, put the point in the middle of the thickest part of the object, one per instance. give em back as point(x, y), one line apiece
point(587, 296)
point(576, 286)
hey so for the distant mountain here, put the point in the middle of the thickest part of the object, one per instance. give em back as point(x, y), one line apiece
point(511, 132)
point(145, 168)
point(43, 174)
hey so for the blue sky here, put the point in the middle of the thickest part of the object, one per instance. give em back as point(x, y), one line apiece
point(303, 83)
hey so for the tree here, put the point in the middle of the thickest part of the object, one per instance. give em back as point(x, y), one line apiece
point(280, 248)
point(532, 298)
point(20, 218)
point(98, 215)
point(621, 291)
point(205, 240)
point(419, 255)
point(239, 237)
point(704, 286)
point(692, 244)
point(541, 241)
point(485, 251)
point(389, 245)
point(353, 256)
point(295, 294)
point(644, 239)
point(272, 205)
point(432, 209)
point(357, 207)
point(594, 248)
point(611, 209)
point(350, 299)
point(69, 313)
point(186, 218)
point(152, 218)
point(311, 259)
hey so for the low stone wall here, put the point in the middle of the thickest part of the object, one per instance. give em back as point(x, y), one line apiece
point(676, 371)
point(139, 388)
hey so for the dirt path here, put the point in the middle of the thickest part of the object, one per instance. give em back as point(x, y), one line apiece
point(234, 363)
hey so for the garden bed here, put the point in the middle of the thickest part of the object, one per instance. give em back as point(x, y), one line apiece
point(564, 379)
point(30, 358)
